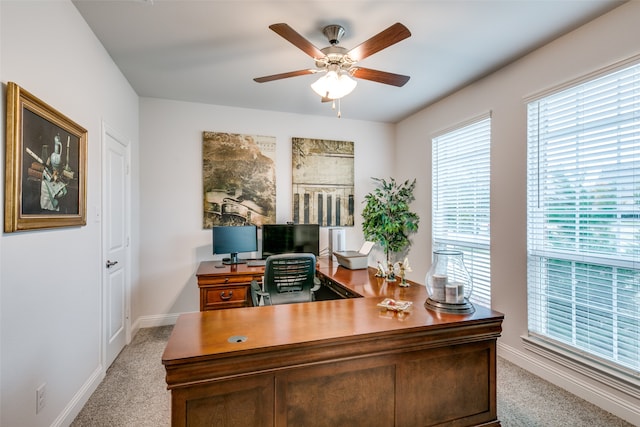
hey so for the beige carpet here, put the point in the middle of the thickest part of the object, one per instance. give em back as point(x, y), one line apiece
point(134, 394)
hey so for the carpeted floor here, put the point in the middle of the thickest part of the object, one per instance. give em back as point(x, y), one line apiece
point(134, 394)
point(525, 400)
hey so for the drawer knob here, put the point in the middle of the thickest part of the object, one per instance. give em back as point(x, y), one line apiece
point(226, 297)
point(226, 280)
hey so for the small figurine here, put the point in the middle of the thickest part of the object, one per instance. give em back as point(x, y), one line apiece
point(381, 272)
point(391, 275)
point(404, 269)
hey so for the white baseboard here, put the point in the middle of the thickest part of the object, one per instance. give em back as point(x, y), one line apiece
point(628, 410)
point(80, 399)
point(153, 321)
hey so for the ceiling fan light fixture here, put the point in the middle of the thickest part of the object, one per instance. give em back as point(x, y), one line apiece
point(334, 85)
point(338, 63)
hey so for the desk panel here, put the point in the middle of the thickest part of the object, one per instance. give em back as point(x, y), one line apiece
point(377, 367)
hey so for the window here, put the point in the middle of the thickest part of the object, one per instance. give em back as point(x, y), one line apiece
point(460, 205)
point(583, 225)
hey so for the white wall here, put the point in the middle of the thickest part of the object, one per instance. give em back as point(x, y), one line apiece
point(50, 280)
point(172, 239)
point(50, 315)
point(605, 41)
point(50, 309)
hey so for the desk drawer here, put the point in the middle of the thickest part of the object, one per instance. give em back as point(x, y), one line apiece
point(228, 279)
point(227, 297)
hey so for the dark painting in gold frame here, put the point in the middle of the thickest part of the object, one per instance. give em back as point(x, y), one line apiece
point(45, 165)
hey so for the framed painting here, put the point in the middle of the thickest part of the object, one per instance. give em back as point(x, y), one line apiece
point(45, 166)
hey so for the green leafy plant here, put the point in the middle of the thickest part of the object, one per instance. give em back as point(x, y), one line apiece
point(387, 218)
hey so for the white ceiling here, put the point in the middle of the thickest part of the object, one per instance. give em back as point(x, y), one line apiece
point(209, 51)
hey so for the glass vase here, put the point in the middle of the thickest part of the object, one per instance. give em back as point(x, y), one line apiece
point(449, 284)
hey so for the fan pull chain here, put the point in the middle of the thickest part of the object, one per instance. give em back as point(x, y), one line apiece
point(333, 107)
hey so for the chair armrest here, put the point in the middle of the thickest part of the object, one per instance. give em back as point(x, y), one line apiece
point(255, 287)
point(257, 292)
point(316, 284)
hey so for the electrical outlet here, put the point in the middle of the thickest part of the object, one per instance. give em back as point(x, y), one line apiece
point(41, 397)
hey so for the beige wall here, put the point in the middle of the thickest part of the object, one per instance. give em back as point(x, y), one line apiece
point(172, 239)
point(50, 298)
point(605, 41)
point(50, 280)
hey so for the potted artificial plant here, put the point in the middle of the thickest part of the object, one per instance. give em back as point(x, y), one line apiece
point(387, 218)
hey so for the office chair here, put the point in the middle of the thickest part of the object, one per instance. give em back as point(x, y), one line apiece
point(288, 278)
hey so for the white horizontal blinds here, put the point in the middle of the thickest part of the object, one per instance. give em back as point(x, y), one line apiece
point(460, 205)
point(584, 217)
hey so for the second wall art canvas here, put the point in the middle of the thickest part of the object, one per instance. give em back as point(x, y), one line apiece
point(323, 182)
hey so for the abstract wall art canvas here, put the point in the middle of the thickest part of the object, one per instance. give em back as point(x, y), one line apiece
point(239, 180)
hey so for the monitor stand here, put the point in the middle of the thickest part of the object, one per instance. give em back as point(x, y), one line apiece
point(234, 260)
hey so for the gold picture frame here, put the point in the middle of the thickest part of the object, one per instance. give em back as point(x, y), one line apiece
point(45, 166)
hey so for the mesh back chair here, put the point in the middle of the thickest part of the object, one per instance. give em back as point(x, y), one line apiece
point(288, 278)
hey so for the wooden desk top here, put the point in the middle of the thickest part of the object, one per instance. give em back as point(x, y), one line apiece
point(206, 335)
point(207, 268)
point(363, 282)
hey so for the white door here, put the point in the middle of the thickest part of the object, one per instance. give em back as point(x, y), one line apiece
point(115, 232)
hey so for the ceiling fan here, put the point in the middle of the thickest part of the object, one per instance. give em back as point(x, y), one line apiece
point(338, 63)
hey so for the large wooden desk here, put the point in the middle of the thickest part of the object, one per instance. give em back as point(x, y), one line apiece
point(335, 363)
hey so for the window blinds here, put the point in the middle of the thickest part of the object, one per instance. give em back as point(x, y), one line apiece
point(583, 225)
point(460, 205)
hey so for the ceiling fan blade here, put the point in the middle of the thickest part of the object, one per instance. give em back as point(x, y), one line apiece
point(284, 75)
point(380, 76)
point(297, 40)
point(392, 35)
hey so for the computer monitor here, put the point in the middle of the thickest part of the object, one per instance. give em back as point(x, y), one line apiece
point(290, 238)
point(232, 239)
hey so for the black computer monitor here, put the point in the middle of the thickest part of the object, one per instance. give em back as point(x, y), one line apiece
point(233, 239)
point(290, 238)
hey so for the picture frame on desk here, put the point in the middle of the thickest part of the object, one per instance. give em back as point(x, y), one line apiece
point(45, 165)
